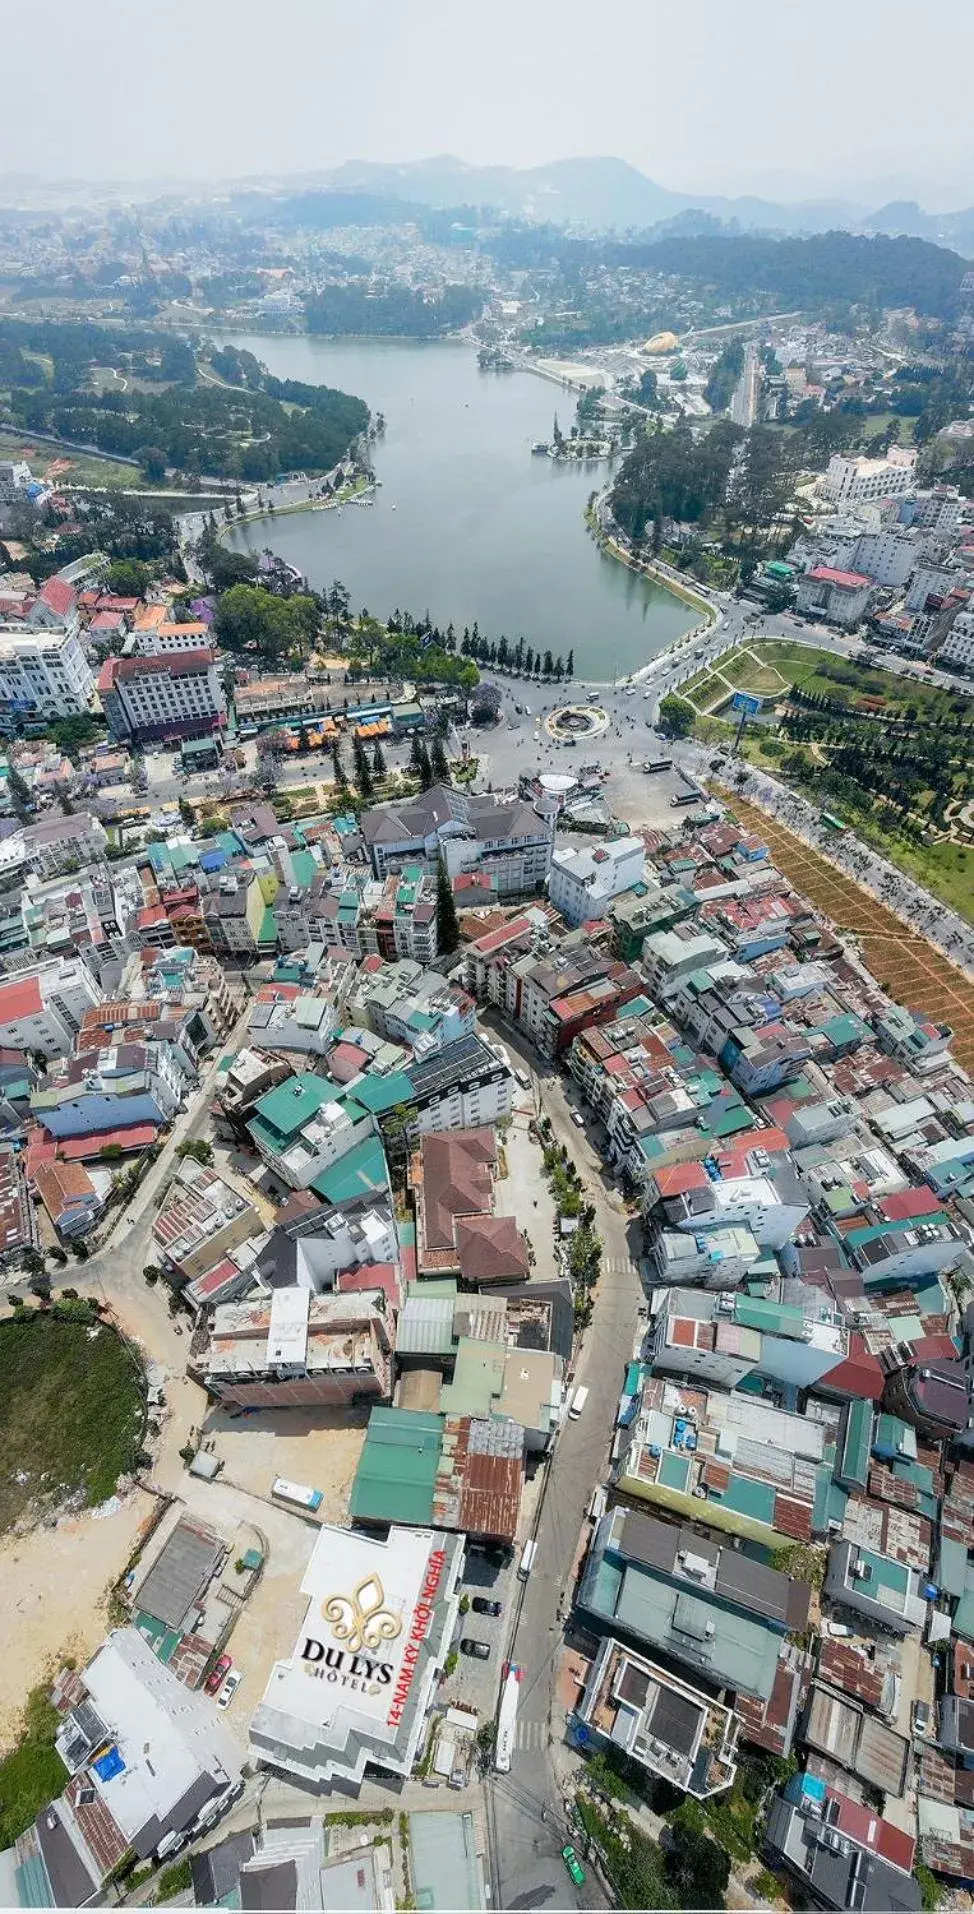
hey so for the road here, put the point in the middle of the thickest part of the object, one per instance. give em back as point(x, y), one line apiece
point(526, 1816)
point(745, 403)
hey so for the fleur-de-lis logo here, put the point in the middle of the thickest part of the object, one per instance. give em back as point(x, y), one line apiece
point(361, 1619)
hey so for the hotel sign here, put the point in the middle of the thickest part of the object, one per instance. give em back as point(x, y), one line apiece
point(367, 1640)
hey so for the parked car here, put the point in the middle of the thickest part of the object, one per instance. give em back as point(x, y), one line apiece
point(578, 1119)
point(479, 1650)
point(218, 1674)
point(481, 1606)
point(573, 1864)
point(921, 1717)
point(229, 1689)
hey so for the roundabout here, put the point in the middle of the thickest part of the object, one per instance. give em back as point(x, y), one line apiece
point(576, 722)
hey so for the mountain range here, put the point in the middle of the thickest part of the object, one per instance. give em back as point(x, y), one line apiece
point(609, 193)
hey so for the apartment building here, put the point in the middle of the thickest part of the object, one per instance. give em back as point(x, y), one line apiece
point(43, 674)
point(146, 699)
point(858, 481)
point(583, 882)
point(42, 1010)
point(297, 1350)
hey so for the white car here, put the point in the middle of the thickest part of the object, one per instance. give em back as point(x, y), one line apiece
point(229, 1689)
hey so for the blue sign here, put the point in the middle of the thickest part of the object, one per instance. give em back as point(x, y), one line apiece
point(742, 701)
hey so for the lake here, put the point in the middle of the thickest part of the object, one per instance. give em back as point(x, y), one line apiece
point(466, 523)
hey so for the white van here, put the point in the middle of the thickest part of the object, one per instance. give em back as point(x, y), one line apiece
point(521, 1077)
point(578, 1401)
point(526, 1563)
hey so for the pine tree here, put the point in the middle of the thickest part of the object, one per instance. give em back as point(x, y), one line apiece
point(439, 762)
point(529, 662)
point(570, 667)
point(419, 762)
point(548, 666)
point(19, 791)
point(378, 760)
point(363, 771)
point(447, 927)
point(341, 781)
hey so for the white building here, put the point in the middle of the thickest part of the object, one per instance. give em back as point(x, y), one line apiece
point(162, 640)
point(43, 674)
point(156, 1756)
point(931, 581)
point(957, 650)
point(582, 883)
point(42, 1009)
point(854, 481)
point(841, 597)
point(179, 695)
point(888, 556)
point(358, 1685)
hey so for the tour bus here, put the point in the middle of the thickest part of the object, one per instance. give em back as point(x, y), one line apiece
point(526, 1563)
point(689, 797)
point(296, 1494)
point(657, 764)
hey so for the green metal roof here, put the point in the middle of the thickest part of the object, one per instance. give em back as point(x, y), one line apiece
point(853, 1465)
point(740, 1652)
point(287, 1108)
point(478, 1378)
point(754, 1500)
point(775, 1319)
point(377, 1093)
point(304, 868)
point(397, 1468)
point(950, 1571)
point(361, 1172)
point(444, 1866)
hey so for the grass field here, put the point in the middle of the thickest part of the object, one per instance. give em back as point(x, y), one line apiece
point(76, 468)
point(838, 678)
point(71, 1413)
point(906, 965)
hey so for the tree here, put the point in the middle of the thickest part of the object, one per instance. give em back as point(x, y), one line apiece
point(439, 762)
point(677, 715)
point(696, 1867)
point(33, 1262)
point(419, 762)
point(570, 666)
point(447, 927)
point(363, 770)
point(197, 1149)
point(378, 761)
point(338, 768)
point(19, 791)
point(127, 578)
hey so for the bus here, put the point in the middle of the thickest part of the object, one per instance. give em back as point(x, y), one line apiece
point(689, 797)
point(295, 1493)
point(657, 764)
point(831, 822)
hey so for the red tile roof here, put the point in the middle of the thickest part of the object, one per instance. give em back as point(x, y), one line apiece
point(920, 1201)
point(20, 999)
point(138, 1137)
point(58, 596)
point(826, 575)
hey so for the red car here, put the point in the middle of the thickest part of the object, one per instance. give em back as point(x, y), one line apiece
point(218, 1673)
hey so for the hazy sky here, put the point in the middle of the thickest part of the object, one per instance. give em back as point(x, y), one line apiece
point(704, 95)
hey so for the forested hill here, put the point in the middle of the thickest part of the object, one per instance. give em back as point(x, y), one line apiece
point(395, 312)
point(807, 274)
point(159, 400)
